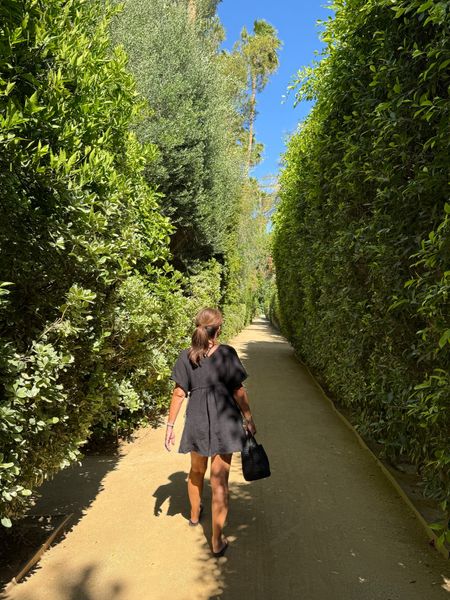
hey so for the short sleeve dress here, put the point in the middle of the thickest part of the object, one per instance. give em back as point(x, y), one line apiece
point(213, 420)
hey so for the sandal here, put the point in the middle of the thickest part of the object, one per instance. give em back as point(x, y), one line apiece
point(195, 523)
point(222, 551)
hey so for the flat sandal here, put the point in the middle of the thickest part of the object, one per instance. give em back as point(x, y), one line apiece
point(222, 551)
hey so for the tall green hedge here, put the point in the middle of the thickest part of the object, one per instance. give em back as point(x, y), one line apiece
point(88, 301)
point(361, 243)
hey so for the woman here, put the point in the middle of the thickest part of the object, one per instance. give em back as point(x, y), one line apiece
point(217, 417)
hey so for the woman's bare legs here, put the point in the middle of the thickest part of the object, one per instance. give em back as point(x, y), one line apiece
point(220, 470)
point(195, 483)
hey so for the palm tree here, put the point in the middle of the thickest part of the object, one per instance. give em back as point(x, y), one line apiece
point(260, 53)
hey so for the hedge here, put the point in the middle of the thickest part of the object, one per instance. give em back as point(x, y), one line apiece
point(361, 237)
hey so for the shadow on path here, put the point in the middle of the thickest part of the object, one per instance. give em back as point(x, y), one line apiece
point(78, 586)
point(71, 491)
point(175, 493)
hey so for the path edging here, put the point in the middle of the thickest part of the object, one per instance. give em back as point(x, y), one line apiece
point(32, 562)
point(431, 534)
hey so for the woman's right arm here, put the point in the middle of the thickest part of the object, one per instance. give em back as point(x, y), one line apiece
point(241, 397)
point(177, 400)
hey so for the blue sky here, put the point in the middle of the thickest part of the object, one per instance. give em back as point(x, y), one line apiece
point(295, 21)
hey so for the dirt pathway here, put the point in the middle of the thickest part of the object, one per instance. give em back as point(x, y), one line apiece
point(326, 526)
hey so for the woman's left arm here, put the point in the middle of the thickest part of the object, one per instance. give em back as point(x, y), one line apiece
point(177, 400)
point(240, 395)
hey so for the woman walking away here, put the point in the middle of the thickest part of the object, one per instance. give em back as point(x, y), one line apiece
point(217, 417)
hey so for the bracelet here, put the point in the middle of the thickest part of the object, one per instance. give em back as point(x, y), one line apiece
point(170, 424)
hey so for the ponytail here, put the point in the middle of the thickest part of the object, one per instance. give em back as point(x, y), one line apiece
point(207, 324)
point(199, 347)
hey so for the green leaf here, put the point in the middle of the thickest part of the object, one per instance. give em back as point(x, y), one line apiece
point(445, 337)
point(425, 6)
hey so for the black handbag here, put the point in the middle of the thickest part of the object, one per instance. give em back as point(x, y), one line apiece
point(255, 464)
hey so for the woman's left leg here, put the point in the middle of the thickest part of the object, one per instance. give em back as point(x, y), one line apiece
point(220, 470)
point(195, 483)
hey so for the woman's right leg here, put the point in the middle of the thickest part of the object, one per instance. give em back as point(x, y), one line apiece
point(195, 483)
point(220, 470)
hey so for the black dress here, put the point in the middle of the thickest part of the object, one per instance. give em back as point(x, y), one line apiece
point(213, 420)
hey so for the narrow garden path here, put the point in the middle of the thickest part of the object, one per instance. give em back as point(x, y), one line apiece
point(326, 526)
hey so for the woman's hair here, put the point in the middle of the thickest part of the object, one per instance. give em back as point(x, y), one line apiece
point(207, 322)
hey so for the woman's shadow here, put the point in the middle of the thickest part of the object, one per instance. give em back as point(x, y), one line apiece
point(176, 493)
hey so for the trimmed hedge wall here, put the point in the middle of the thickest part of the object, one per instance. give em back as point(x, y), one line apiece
point(361, 244)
